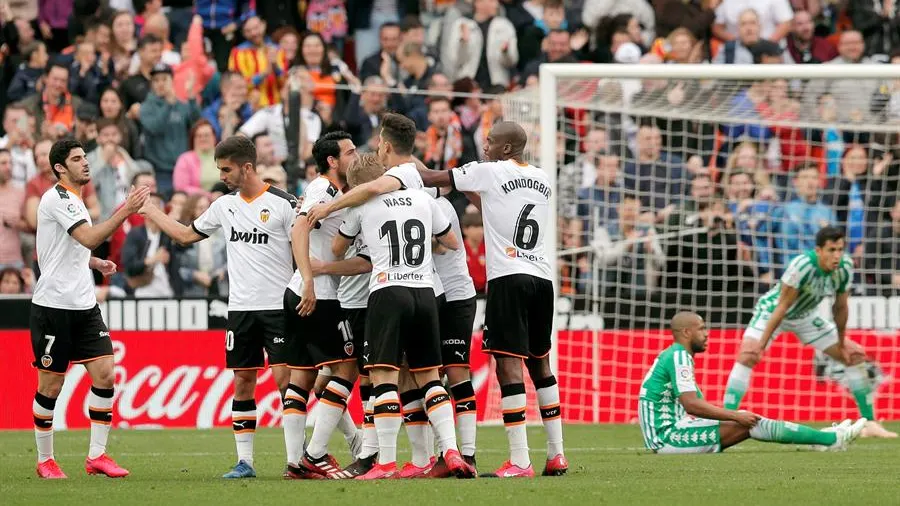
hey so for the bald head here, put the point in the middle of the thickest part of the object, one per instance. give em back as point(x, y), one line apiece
point(689, 330)
point(506, 140)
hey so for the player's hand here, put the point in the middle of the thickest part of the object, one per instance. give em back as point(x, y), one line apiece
point(754, 350)
point(106, 267)
point(318, 213)
point(746, 419)
point(316, 266)
point(307, 300)
point(853, 353)
point(136, 199)
point(202, 278)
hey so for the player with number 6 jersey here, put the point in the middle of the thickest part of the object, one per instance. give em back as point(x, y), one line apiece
point(515, 205)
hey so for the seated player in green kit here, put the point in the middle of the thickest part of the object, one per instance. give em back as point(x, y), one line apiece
point(674, 417)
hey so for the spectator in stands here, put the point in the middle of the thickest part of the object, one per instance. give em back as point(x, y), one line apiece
point(166, 121)
point(363, 114)
point(143, 10)
point(557, 50)
point(19, 138)
point(85, 130)
point(583, 171)
point(530, 38)
point(883, 254)
point(288, 40)
point(323, 72)
point(260, 62)
point(473, 232)
point(597, 204)
point(24, 82)
point(879, 23)
point(697, 16)
point(11, 281)
point(196, 170)
point(219, 26)
point(202, 264)
point(54, 108)
point(803, 44)
point(738, 49)
point(795, 223)
point(492, 113)
point(656, 176)
point(630, 255)
point(158, 25)
point(54, 22)
point(853, 96)
point(484, 47)
point(467, 103)
point(88, 75)
point(44, 180)
point(420, 76)
point(265, 153)
point(195, 70)
point(702, 193)
point(272, 120)
point(383, 62)
point(751, 209)
point(134, 90)
point(151, 268)
point(640, 10)
point(123, 42)
point(112, 108)
point(273, 175)
point(12, 199)
point(774, 18)
point(412, 31)
point(848, 193)
point(228, 112)
point(445, 143)
point(112, 169)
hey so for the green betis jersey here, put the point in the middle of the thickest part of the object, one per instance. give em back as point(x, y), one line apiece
point(814, 284)
point(671, 375)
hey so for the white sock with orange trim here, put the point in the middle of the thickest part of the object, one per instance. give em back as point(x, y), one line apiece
point(440, 414)
point(387, 421)
point(415, 420)
point(332, 406)
point(42, 410)
point(100, 402)
point(513, 405)
point(243, 423)
point(551, 414)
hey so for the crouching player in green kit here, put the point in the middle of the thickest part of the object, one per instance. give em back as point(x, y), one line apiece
point(674, 417)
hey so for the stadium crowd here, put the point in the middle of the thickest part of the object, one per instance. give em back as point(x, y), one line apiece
point(150, 86)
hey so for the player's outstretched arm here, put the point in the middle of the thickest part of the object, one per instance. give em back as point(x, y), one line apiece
point(434, 178)
point(695, 406)
point(300, 251)
point(355, 197)
point(339, 245)
point(92, 236)
point(348, 267)
point(785, 300)
point(181, 234)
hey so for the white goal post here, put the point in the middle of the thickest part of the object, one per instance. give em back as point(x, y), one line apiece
point(600, 357)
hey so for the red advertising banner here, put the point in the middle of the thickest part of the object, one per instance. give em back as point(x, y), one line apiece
point(178, 379)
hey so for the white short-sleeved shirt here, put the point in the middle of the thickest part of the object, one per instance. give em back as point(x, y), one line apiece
point(409, 177)
point(515, 208)
point(771, 14)
point(397, 228)
point(258, 235)
point(66, 281)
point(353, 292)
point(320, 191)
point(451, 267)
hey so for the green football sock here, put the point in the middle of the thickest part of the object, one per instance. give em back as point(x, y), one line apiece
point(861, 389)
point(776, 431)
point(737, 384)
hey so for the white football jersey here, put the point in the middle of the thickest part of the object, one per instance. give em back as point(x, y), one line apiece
point(515, 207)
point(321, 191)
point(353, 292)
point(66, 281)
point(409, 177)
point(397, 227)
point(258, 231)
point(451, 267)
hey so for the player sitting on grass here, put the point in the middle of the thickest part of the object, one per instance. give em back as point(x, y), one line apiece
point(792, 304)
point(674, 417)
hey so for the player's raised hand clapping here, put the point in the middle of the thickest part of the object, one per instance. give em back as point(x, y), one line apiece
point(136, 198)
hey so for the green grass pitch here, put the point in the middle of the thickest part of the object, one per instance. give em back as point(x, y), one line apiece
point(608, 466)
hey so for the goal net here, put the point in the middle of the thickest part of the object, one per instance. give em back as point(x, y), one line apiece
point(690, 187)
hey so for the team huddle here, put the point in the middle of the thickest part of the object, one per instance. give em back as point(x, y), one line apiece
point(364, 281)
point(380, 295)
